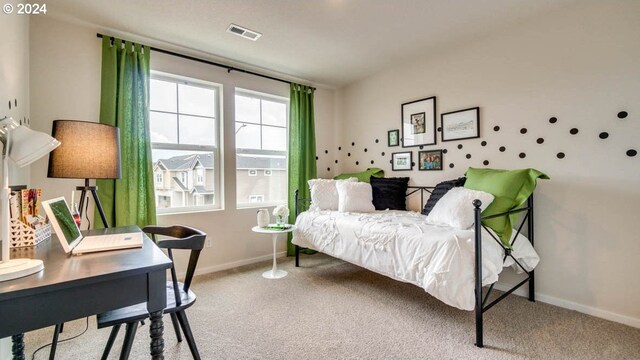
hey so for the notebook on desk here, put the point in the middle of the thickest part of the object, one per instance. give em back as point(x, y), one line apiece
point(72, 240)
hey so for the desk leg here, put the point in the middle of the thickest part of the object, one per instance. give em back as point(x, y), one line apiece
point(156, 329)
point(17, 348)
point(155, 305)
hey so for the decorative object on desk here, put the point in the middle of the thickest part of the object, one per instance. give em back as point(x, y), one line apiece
point(430, 160)
point(402, 161)
point(89, 151)
point(419, 122)
point(263, 217)
point(393, 137)
point(281, 212)
point(461, 124)
point(27, 226)
point(23, 146)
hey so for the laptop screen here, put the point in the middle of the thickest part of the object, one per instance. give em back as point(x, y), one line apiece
point(68, 230)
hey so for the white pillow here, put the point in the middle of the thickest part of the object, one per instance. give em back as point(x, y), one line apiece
point(355, 197)
point(324, 195)
point(455, 208)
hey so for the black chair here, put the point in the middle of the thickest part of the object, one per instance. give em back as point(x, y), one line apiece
point(179, 296)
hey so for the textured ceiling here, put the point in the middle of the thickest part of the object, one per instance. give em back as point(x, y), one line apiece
point(327, 42)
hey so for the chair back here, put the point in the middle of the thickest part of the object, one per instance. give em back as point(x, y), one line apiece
point(181, 238)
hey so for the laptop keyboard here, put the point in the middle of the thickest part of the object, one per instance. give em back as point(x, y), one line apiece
point(111, 241)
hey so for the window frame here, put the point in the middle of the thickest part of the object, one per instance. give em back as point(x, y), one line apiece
point(267, 97)
point(218, 173)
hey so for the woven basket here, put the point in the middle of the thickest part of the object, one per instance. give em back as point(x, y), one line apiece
point(22, 235)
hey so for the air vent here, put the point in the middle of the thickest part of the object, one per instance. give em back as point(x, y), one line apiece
point(244, 32)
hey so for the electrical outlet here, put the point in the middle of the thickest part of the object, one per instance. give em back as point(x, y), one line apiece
point(208, 243)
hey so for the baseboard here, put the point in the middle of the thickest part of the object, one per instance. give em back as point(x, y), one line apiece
point(234, 264)
point(604, 314)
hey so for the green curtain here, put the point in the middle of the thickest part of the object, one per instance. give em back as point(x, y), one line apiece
point(302, 148)
point(124, 102)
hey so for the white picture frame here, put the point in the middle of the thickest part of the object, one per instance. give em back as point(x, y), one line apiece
point(460, 124)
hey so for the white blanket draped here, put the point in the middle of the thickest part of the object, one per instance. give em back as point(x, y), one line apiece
point(401, 245)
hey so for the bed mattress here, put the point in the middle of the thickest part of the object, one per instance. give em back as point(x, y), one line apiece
point(401, 245)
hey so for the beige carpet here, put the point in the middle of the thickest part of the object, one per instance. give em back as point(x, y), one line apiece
point(329, 309)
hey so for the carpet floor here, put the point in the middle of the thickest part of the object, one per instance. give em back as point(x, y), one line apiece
point(329, 309)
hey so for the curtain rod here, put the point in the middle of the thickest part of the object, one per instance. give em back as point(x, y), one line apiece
point(229, 68)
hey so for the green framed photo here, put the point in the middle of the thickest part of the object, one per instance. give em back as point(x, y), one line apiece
point(393, 137)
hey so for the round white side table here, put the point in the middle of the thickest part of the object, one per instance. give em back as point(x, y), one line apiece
point(274, 273)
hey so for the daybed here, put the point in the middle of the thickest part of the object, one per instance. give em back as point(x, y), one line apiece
point(450, 264)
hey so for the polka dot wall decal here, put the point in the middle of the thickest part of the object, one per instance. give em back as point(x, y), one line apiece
point(540, 140)
point(357, 163)
point(365, 149)
point(444, 151)
point(560, 155)
point(484, 143)
point(522, 155)
point(421, 147)
point(328, 169)
point(631, 153)
point(439, 129)
point(316, 158)
point(502, 148)
point(553, 120)
point(326, 151)
point(336, 161)
point(523, 131)
point(459, 146)
point(486, 162)
point(496, 128)
point(339, 147)
point(390, 161)
point(468, 156)
point(573, 131)
point(383, 153)
point(372, 162)
point(353, 144)
point(413, 164)
point(603, 135)
point(451, 165)
point(622, 114)
point(377, 141)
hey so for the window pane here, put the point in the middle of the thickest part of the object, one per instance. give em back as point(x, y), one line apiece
point(183, 178)
point(196, 100)
point(164, 127)
point(274, 138)
point(247, 136)
point(197, 130)
point(254, 186)
point(163, 96)
point(247, 109)
point(274, 113)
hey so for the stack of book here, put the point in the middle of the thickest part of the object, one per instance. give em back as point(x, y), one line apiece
point(27, 226)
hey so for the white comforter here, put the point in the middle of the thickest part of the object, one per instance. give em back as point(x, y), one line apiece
point(401, 245)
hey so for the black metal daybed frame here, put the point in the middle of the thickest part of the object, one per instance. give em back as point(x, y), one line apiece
point(480, 301)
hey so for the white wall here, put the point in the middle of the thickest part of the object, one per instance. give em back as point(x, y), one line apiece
point(65, 83)
point(579, 64)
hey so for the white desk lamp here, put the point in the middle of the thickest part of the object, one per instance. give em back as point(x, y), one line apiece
point(23, 146)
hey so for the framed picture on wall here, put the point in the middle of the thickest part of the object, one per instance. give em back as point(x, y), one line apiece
point(401, 161)
point(430, 160)
point(419, 122)
point(393, 137)
point(461, 124)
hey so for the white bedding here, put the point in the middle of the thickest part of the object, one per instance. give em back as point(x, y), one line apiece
point(401, 245)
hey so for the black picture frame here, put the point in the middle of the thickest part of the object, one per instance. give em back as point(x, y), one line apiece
point(454, 124)
point(397, 138)
point(423, 132)
point(432, 164)
point(397, 156)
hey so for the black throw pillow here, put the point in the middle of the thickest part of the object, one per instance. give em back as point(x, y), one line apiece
point(439, 191)
point(389, 193)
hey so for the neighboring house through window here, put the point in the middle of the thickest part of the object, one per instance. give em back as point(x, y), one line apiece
point(185, 131)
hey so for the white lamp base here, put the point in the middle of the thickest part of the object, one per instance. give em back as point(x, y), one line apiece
point(17, 268)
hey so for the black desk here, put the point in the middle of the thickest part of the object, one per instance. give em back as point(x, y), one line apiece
point(72, 287)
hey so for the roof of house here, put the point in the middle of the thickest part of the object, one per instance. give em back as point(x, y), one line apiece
point(180, 184)
point(186, 162)
point(199, 189)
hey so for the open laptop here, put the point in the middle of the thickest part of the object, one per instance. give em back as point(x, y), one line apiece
point(72, 240)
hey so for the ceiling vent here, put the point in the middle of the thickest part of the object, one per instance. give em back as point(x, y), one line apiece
point(244, 32)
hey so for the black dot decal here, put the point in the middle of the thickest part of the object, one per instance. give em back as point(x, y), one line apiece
point(421, 147)
point(348, 154)
point(336, 161)
point(372, 162)
point(328, 169)
point(316, 158)
point(339, 148)
point(326, 151)
point(560, 155)
point(439, 129)
point(502, 148)
point(390, 161)
point(353, 144)
point(468, 156)
point(631, 153)
point(459, 146)
point(357, 163)
point(622, 114)
point(486, 162)
point(377, 141)
point(540, 140)
point(573, 131)
point(15, 102)
point(451, 165)
point(553, 120)
point(603, 135)
point(9, 104)
point(484, 143)
point(522, 155)
point(383, 153)
point(365, 149)
point(496, 128)
point(523, 131)
point(413, 164)
point(444, 151)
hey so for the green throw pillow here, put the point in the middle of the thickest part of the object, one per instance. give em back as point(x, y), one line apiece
point(511, 189)
point(362, 176)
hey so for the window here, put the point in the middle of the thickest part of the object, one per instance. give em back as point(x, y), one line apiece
point(261, 148)
point(185, 142)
